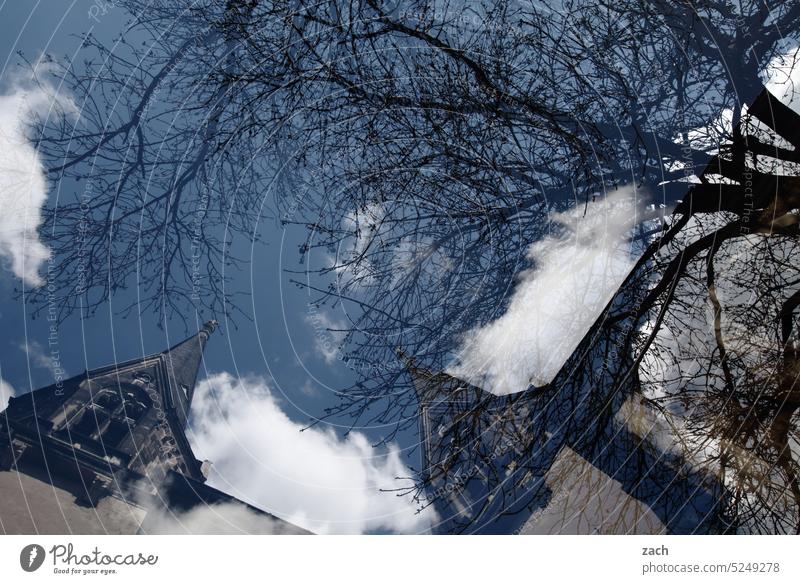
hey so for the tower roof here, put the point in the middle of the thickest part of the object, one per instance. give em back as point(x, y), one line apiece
point(178, 366)
point(182, 363)
point(432, 386)
point(162, 384)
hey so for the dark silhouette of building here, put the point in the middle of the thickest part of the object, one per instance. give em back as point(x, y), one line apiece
point(499, 463)
point(106, 452)
point(510, 464)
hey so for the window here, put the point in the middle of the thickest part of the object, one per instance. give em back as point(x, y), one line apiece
point(90, 421)
point(133, 409)
point(110, 416)
point(108, 401)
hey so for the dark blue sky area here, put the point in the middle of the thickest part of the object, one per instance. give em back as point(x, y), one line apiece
point(278, 344)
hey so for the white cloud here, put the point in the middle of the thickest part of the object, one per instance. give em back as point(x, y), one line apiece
point(311, 478)
point(710, 137)
point(6, 392)
point(352, 264)
point(364, 225)
point(23, 187)
point(782, 78)
point(576, 273)
point(329, 334)
point(420, 256)
point(36, 355)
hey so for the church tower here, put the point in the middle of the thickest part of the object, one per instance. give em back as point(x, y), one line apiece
point(106, 451)
point(492, 463)
point(472, 448)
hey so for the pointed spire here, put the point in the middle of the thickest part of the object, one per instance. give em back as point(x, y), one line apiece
point(182, 363)
point(417, 375)
point(427, 384)
point(408, 361)
point(208, 328)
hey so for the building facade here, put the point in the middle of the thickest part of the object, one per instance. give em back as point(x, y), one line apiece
point(534, 463)
point(106, 452)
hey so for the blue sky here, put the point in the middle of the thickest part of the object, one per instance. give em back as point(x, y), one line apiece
point(278, 345)
point(281, 327)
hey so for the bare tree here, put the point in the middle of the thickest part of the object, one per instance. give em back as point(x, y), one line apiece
point(424, 146)
point(685, 389)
